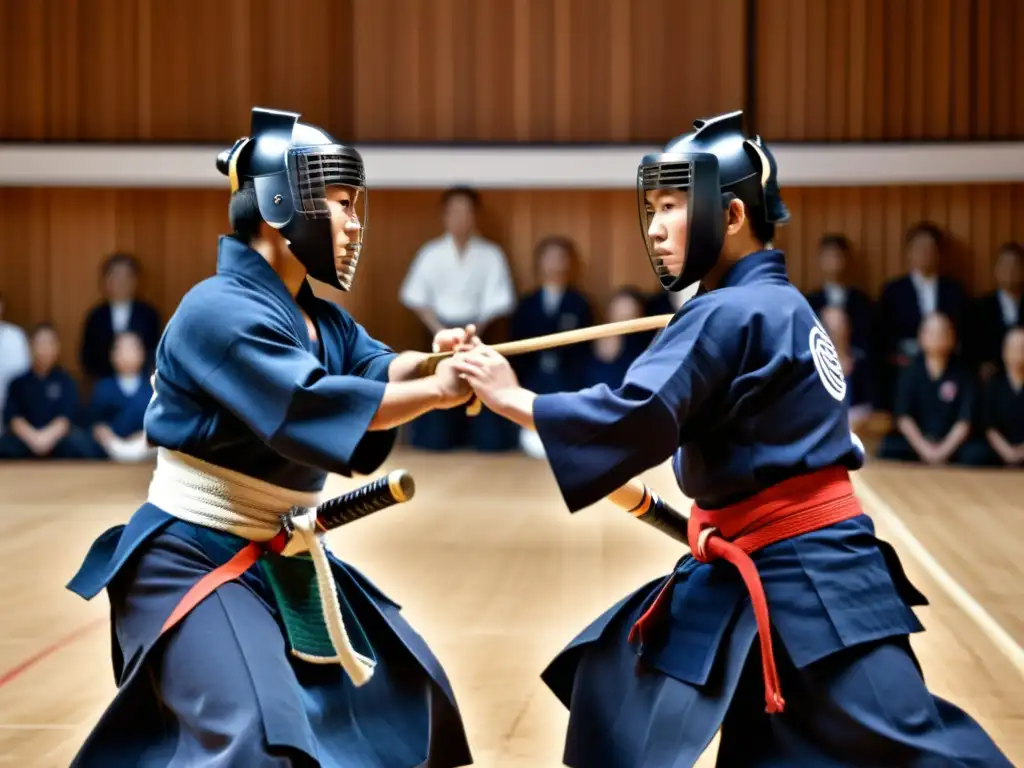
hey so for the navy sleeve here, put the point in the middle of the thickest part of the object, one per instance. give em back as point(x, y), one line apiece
point(598, 439)
point(370, 359)
point(365, 355)
point(258, 369)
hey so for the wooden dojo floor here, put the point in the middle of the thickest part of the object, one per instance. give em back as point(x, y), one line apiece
point(497, 576)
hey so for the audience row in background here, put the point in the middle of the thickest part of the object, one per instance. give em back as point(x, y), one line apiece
point(461, 278)
point(886, 331)
point(44, 416)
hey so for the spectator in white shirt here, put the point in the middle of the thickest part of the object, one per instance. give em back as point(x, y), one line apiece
point(459, 278)
point(15, 356)
point(120, 312)
point(456, 280)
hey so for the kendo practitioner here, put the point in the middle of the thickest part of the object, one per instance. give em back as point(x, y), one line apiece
point(743, 389)
point(262, 389)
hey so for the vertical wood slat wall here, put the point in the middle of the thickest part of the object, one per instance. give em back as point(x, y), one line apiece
point(511, 70)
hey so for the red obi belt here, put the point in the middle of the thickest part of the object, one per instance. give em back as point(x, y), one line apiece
point(791, 508)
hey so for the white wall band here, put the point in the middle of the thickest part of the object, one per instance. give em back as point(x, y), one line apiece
point(524, 167)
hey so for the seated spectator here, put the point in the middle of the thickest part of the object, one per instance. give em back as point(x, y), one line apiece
point(908, 299)
point(118, 405)
point(557, 305)
point(41, 408)
point(992, 315)
point(854, 361)
point(611, 357)
point(120, 311)
point(15, 357)
point(933, 409)
point(456, 280)
point(1004, 403)
point(833, 255)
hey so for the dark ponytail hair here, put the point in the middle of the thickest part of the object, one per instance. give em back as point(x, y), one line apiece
point(244, 214)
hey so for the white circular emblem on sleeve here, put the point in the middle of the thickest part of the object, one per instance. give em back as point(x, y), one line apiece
point(826, 361)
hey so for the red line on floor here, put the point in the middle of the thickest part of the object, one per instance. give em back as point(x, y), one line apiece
point(64, 642)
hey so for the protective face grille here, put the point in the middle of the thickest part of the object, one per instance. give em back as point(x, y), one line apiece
point(666, 175)
point(317, 168)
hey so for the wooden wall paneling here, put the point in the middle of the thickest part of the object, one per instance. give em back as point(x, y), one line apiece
point(915, 69)
point(396, 70)
point(498, 71)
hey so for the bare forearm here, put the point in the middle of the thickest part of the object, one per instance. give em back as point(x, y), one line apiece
point(960, 432)
point(23, 430)
point(406, 400)
point(1001, 446)
point(517, 407)
point(405, 366)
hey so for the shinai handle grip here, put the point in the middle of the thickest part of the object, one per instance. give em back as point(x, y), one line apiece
point(561, 339)
point(647, 506)
point(396, 487)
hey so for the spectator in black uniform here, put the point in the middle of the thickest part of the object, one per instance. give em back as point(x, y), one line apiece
point(908, 299)
point(1004, 403)
point(120, 311)
point(556, 305)
point(934, 406)
point(42, 408)
point(833, 255)
point(611, 357)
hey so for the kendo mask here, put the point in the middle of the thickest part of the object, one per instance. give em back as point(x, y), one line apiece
point(711, 165)
point(291, 165)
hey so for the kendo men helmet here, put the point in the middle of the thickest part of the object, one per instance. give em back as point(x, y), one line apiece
point(290, 165)
point(713, 164)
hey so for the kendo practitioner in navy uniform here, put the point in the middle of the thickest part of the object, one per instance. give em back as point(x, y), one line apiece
point(261, 390)
point(744, 390)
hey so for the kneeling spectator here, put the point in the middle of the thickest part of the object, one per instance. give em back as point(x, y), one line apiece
point(41, 408)
point(611, 357)
point(934, 404)
point(557, 305)
point(119, 402)
point(1004, 403)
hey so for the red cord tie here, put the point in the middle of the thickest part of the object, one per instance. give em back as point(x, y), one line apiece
point(712, 547)
point(234, 568)
point(791, 508)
